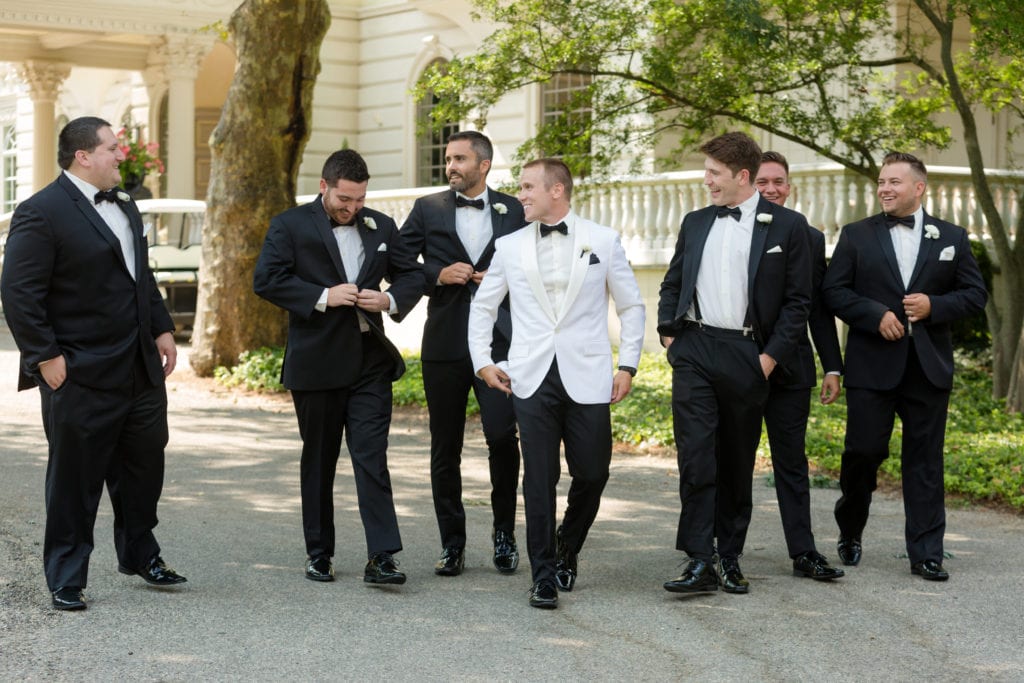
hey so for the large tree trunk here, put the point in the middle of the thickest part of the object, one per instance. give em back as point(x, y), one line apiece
point(256, 150)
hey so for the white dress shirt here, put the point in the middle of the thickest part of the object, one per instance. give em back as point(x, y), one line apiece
point(906, 241)
point(113, 216)
point(474, 226)
point(554, 259)
point(723, 276)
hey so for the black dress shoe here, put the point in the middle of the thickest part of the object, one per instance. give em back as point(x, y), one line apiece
point(732, 577)
point(698, 577)
point(930, 570)
point(565, 564)
point(849, 551)
point(68, 598)
point(319, 569)
point(155, 573)
point(544, 595)
point(451, 563)
point(813, 565)
point(382, 568)
point(506, 554)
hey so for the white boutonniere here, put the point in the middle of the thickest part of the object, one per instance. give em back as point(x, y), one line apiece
point(764, 218)
point(585, 250)
point(369, 223)
point(123, 196)
point(500, 208)
point(931, 232)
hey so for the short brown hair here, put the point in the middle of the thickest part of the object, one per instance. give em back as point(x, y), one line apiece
point(737, 151)
point(555, 171)
point(771, 157)
point(916, 165)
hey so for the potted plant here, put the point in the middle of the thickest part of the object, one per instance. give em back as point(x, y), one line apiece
point(140, 159)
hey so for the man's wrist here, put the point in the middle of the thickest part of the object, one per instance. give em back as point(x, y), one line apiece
point(630, 370)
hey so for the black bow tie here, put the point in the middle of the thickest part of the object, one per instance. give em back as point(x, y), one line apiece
point(107, 196)
point(893, 221)
point(546, 230)
point(461, 202)
point(735, 212)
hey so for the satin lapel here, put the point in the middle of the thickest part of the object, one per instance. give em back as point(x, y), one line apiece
point(450, 228)
point(758, 238)
point(371, 240)
point(497, 230)
point(885, 242)
point(323, 226)
point(135, 221)
point(925, 252)
point(528, 260)
point(88, 210)
point(692, 257)
point(580, 264)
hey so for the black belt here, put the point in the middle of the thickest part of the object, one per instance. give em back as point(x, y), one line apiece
point(722, 332)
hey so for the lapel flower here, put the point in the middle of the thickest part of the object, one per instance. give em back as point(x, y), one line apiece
point(500, 208)
point(369, 223)
point(931, 232)
point(765, 218)
point(123, 196)
point(585, 250)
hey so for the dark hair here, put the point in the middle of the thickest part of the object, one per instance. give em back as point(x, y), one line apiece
point(81, 133)
point(916, 165)
point(738, 151)
point(480, 143)
point(771, 157)
point(345, 164)
point(555, 171)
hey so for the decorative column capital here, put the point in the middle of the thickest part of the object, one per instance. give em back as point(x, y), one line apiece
point(44, 79)
point(182, 55)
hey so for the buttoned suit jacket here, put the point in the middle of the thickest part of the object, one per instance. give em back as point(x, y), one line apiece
point(863, 281)
point(577, 334)
point(67, 290)
point(299, 259)
point(778, 285)
point(431, 233)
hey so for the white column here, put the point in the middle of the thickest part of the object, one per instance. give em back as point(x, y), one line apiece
point(44, 80)
point(183, 56)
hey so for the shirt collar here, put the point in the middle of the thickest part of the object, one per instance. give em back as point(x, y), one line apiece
point(86, 188)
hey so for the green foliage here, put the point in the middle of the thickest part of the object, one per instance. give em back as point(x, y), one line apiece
point(258, 370)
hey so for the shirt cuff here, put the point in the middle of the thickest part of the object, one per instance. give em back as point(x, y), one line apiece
point(393, 309)
point(834, 372)
point(321, 304)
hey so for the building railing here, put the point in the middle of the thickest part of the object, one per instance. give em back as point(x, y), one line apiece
point(648, 210)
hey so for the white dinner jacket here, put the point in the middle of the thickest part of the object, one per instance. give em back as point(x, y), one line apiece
point(577, 335)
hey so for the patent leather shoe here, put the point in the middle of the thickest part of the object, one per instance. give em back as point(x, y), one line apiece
point(698, 577)
point(544, 595)
point(813, 565)
point(68, 599)
point(319, 569)
point(566, 563)
point(452, 561)
point(506, 554)
point(155, 573)
point(732, 577)
point(849, 551)
point(383, 569)
point(930, 570)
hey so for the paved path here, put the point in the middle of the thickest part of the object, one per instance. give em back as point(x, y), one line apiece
point(231, 522)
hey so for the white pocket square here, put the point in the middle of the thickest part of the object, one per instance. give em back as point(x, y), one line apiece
point(948, 253)
point(774, 250)
point(383, 247)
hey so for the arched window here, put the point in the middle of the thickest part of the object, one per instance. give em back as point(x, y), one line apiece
point(431, 141)
point(567, 97)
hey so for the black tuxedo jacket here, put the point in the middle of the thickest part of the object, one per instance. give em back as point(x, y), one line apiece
point(300, 257)
point(779, 279)
point(67, 290)
point(863, 282)
point(802, 373)
point(430, 231)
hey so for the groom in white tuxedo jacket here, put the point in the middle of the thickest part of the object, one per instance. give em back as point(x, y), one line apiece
point(558, 272)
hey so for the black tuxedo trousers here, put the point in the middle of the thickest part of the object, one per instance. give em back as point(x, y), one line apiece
point(361, 413)
point(446, 386)
point(548, 419)
point(115, 436)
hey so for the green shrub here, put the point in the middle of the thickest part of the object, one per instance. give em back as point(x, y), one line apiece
point(258, 370)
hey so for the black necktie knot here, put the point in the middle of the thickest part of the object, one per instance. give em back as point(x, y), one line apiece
point(107, 196)
point(546, 230)
point(461, 202)
point(893, 221)
point(724, 211)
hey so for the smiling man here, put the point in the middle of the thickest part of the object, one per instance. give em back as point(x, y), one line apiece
point(899, 279)
point(733, 305)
